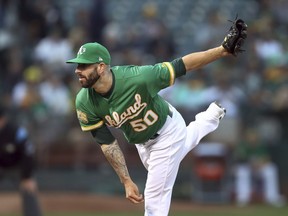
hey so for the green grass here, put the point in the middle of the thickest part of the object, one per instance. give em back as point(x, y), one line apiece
point(203, 211)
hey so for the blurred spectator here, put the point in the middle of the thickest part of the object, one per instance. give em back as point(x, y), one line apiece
point(17, 162)
point(212, 30)
point(230, 96)
point(55, 95)
point(26, 97)
point(274, 97)
point(275, 83)
point(112, 35)
point(34, 21)
point(228, 93)
point(11, 72)
point(253, 78)
point(54, 49)
point(253, 163)
point(155, 35)
point(270, 50)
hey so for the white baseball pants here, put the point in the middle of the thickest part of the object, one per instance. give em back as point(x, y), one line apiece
point(162, 156)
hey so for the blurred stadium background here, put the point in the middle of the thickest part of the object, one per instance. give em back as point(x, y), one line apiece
point(38, 36)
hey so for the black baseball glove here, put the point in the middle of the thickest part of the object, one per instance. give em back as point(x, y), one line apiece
point(235, 37)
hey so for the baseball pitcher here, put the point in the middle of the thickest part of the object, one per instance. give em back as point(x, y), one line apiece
point(126, 97)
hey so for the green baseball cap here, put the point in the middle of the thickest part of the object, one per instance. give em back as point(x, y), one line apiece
point(91, 53)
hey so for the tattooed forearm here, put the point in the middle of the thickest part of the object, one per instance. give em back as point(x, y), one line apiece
point(115, 156)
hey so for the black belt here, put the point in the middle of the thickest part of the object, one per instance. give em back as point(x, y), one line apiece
point(170, 113)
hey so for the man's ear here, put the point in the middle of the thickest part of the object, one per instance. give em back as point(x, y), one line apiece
point(102, 68)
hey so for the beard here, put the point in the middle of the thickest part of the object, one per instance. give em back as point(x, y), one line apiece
point(90, 80)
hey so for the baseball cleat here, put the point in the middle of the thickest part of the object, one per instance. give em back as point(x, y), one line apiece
point(224, 110)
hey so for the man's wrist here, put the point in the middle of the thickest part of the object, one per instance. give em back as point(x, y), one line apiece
point(126, 180)
point(223, 51)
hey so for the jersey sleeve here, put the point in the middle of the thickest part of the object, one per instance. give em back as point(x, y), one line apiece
point(179, 67)
point(87, 119)
point(162, 75)
point(103, 135)
point(158, 76)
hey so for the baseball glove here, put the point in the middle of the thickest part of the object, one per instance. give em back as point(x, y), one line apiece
point(235, 37)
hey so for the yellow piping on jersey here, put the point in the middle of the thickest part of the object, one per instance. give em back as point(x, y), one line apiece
point(88, 128)
point(172, 72)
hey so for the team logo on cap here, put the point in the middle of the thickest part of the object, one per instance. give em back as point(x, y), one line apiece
point(81, 50)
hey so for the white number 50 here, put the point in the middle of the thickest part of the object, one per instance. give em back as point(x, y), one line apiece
point(141, 124)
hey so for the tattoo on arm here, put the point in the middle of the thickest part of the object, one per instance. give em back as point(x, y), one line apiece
point(115, 156)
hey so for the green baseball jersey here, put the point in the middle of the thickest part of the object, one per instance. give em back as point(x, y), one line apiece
point(134, 105)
